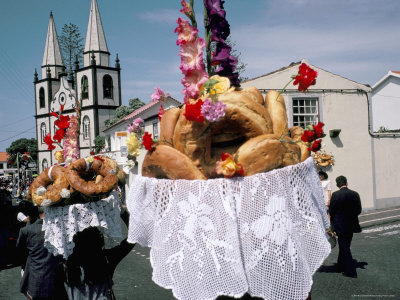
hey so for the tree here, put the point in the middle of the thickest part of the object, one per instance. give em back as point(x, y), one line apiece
point(22, 146)
point(99, 143)
point(124, 110)
point(71, 45)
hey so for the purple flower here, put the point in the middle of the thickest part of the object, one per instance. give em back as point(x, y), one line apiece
point(215, 7)
point(213, 111)
point(135, 126)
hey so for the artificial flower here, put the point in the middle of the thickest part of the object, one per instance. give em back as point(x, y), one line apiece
point(186, 32)
point(47, 139)
point(308, 136)
point(92, 152)
point(60, 133)
point(227, 167)
point(318, 131)
point(99, 158)
point(158, 95)
point(65, 193)
point(316, 146)
point(147, 141)
point(133, 145)
point(89, 159)
point(213, 111)
point(305, 77)
point(41, 190)
point(59, 156)
point(193, 111)
point(135, 126)
point(161, 112)
point(192, 82)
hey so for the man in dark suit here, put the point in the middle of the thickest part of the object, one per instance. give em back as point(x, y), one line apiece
point(344, 209)
point(39, 272)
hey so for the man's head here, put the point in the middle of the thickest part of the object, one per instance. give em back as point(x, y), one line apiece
point(341, 181)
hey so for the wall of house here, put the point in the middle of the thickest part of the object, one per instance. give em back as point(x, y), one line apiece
point(386, 163)
point(386, 104)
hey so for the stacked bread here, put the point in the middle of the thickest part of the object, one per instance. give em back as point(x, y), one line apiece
point(84, 180)
point(254, 130)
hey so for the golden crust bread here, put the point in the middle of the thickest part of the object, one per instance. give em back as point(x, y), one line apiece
point(167, 162)
point(296, 133)
point(53, 186)
point(254, 94)
point(167, 125)
point(276, 108)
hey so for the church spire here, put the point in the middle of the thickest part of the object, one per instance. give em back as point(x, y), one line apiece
point(52, 58)
point(95, 39)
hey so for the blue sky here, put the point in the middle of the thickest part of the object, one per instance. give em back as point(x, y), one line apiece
point(357, 39)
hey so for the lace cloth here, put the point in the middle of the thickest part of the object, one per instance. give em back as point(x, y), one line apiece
point(263, 234)
point(61, 223)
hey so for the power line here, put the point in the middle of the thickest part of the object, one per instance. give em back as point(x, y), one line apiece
point(16, 134)
point(3, 126)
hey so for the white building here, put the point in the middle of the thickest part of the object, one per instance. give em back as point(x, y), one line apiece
point(98, 85)
point(385, 102)
point(117, 133)
point(369, 160)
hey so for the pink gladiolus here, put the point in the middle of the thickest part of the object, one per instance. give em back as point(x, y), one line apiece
point(192, 55)
point(186, 32)
point(70, 142)
point(135, 126)
point(159, 95)
point(192, 82)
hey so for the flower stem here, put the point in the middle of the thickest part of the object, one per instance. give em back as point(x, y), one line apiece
point(283, 89)
point(208, 42)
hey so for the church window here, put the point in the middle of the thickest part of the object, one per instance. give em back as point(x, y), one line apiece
point(45, 164)
point(85, 87)
point(43, 132)
point(41, 98)
point(107, 86)
point(86, 128)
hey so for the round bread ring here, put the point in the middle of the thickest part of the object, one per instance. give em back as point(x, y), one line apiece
point(203, 143)
point(167, 162)
point(324, 163)
point(53, 179)
point(326, 156)
point(102, 166)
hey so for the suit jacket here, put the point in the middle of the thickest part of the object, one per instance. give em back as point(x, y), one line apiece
point(39, 274)
point(344, 210)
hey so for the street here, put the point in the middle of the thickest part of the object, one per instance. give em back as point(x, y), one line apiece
point(376, 251)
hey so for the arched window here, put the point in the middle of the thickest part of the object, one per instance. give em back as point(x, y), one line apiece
point(45, 164)
point(86, 128)
point(107, 86)
point(43, 132)
point(84, 87)
point(42, 102)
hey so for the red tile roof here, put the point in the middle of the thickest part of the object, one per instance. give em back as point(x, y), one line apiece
point(4, 156)
point(397, 72)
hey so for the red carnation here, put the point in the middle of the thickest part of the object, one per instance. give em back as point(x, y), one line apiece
point(305, 78)
point(318, 131)
point(308, 136)
point(147, 141)
point(316, 146)
point(193, 111)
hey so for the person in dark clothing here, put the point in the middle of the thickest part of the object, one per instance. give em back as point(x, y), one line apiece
point(344, 209)
point(39, 272)
point(6, 215)
point(90, 268)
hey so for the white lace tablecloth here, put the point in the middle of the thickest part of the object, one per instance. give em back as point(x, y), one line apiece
point(262, 234)
point(61, 223)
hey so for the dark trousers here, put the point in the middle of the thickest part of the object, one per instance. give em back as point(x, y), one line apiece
point(345, 260)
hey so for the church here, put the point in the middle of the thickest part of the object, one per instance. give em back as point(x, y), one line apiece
point(96, 84)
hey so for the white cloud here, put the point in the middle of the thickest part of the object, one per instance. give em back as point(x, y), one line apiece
point(168, 16)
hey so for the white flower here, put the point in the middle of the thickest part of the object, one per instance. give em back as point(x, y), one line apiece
point(41, 190)
point(46, 202)
point(65, 193)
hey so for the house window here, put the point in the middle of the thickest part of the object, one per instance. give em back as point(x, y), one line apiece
point(42, 103)
point(86, 128)
point(155, 130)
point(85, 87)
point(305, 111)
point(1, 166)
point(107, 86)
point(43, 132)
point(45, 164)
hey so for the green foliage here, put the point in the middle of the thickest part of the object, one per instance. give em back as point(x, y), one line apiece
point(21, 146)
point(99, 143)
point(124, 110)
point(71, 45)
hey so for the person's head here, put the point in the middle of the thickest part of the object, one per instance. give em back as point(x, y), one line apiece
point(88, 241)
point(323, 175)
point(341, 181)
point(40, 210)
